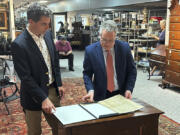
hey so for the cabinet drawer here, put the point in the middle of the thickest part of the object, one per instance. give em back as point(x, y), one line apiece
point(173, 66)
point(175, 19)
point(174, 44)
point(174, 27)
point(172, 77)
point(175, 12)
point(173, 55)
point(174, 35)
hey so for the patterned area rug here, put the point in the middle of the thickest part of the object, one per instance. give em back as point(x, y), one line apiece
point(14, 124)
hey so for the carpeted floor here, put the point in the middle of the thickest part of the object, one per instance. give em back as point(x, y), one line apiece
point(14, 124)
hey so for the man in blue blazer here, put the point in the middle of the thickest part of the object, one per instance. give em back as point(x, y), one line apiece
point(96, 72)
point(37, 65)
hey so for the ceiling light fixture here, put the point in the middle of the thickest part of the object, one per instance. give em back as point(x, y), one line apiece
point(43, 1)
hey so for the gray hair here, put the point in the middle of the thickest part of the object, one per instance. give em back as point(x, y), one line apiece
point(109, 26)
point(163, 22)
point(36, 11)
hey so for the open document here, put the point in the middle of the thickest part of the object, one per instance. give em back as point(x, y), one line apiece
point(72, 114)
point(115, 105)
point(120, 104)
point(98, 111)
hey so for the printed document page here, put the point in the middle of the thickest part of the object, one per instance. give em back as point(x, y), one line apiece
point(72, 114)
point(120, 104)
point(98, 110)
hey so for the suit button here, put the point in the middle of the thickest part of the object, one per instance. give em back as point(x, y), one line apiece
point(47, 84)
point(47, 73)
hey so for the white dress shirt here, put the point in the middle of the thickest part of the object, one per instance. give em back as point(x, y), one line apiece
point(45, 53)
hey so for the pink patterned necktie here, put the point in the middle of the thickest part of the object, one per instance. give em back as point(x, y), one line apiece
point(110, 71)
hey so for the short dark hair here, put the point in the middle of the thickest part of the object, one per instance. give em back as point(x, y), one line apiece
point(36, 11)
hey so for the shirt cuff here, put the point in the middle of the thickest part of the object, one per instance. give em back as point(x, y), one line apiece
point(91, 91)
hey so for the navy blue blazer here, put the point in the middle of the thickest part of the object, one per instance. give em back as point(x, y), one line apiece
point(32, 70)
point(94, 73)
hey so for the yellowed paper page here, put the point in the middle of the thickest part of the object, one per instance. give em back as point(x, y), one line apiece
point(120, 104)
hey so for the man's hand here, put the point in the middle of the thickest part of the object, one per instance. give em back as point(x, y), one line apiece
point(69, 52)
point(61, 91)
point(89, 97)
point(62, 53)
point(48, 106)
point(128, 94)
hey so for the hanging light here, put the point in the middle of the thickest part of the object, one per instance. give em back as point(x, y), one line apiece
point(43, 1)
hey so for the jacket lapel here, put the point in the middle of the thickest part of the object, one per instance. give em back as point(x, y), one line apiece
point(118, 60)
point(100, 56)
point(35, 49)
point(116, 57)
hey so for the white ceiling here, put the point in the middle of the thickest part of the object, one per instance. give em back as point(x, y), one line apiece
point(75, 5)
point(25, 3)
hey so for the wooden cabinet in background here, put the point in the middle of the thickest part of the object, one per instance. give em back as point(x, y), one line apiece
point(172, 77)
point(175, 19)
point(174, 35)
point(174, 44)
point(174, 27)
point(172, 68)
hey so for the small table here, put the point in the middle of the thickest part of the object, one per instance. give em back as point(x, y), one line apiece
point(158, 58)
point(5, 82)
point(142, 122)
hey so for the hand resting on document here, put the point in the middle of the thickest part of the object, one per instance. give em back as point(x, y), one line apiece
point(48, 106)
point(89, 97)
point(128, 94)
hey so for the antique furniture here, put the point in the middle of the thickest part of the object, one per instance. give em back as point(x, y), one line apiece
point(157, 58)
point(9, 90)
point(142, 122)
point(172, 72)
point(5, 46)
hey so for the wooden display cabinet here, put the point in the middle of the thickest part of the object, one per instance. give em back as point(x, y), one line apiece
point(172, 69)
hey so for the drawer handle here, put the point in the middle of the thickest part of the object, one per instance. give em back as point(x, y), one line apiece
point(173, 26)
point(173, 35)
point(168, 76)
point(179, 64)
point(176, 19)
point(174, 12)
point(168, 62)
point(179, 54)
point(172, 44)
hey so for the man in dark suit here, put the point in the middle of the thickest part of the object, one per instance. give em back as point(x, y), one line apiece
point(109, 67)
point(37, 65)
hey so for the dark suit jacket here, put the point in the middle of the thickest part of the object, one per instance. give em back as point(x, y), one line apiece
point(32, 70)
point(94, 73)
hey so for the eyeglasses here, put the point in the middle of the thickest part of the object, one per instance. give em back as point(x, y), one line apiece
point(107, 41)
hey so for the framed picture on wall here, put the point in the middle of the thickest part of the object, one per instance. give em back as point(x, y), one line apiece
point(3, 21)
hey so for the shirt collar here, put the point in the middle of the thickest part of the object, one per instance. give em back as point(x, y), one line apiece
point(111, 50)
point(34, 35)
